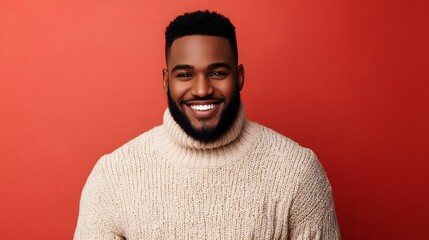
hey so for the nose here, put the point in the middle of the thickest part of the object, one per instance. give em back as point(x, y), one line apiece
point(202, 87)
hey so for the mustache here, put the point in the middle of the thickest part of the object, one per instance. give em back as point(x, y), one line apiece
point(184, 101)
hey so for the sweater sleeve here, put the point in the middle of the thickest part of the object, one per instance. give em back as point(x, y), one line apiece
point(95, 219)
point(313, 212)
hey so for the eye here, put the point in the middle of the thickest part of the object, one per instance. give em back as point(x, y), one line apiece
point(183, 75)
point(218, 74)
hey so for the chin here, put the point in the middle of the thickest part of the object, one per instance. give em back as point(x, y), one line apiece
point(206, 130)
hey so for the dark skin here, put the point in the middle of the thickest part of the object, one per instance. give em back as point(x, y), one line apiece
point(202, 77)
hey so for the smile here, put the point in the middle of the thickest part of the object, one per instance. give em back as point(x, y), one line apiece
point(204, 107)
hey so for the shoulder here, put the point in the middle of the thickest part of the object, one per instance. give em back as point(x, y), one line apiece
point(281, 146)
point(298, 164)
point(130, 155)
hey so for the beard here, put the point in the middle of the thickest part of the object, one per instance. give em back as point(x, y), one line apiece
point(206, 134)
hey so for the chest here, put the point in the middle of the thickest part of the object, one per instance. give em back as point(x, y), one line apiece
point(204, 205)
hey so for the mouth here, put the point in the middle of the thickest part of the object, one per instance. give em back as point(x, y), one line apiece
point(204, 109)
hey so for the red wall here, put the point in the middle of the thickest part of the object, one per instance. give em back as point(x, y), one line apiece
point(345, 78)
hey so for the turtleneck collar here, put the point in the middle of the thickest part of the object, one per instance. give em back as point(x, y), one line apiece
point(175, 146)
point(178, 135)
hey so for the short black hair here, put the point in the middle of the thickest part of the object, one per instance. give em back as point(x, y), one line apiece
point(201, 23)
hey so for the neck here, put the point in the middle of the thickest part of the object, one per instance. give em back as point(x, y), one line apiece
point(182, 139)
point(181, 149)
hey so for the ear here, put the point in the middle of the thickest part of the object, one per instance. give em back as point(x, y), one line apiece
point(240, 76)
point(165, 79)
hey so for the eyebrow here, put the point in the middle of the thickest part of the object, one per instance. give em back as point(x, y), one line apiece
point(209, 67)
point(218, 65)
point(181, 67)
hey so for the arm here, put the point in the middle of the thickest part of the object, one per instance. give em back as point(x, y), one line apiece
point(313, 211)
point(95, 214)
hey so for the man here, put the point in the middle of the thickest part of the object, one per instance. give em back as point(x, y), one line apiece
point(207, 172)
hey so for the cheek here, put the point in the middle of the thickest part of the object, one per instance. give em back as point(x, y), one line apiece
point(178, 90)
point(226, 88)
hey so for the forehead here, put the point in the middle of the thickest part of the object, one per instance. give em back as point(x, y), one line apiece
point(199, 50)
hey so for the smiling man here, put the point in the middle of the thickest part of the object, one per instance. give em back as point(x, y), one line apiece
point(203, 84)
point(207, 172)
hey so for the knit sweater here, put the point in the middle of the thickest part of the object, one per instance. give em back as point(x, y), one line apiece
point(252, 183)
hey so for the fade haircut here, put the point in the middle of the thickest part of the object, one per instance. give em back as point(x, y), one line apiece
point(201, 23)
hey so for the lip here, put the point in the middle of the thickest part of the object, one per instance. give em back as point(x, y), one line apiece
point(203, 114)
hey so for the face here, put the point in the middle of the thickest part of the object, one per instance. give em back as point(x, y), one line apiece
point(203, 84)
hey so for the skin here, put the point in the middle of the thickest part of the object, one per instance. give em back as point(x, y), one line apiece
point(201, 70)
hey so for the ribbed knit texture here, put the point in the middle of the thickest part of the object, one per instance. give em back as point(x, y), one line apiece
point(252, 183)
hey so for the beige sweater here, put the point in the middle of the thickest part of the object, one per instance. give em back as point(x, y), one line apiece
point(253, 183)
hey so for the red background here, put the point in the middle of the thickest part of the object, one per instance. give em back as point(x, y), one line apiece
point(345, 78)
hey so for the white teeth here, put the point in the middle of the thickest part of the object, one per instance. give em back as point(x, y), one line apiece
point(203, 107)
